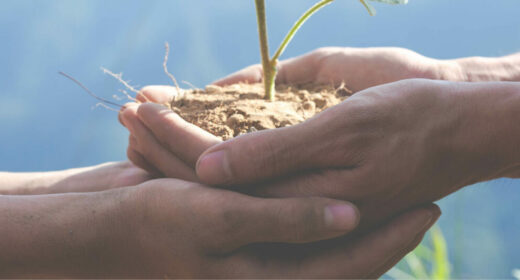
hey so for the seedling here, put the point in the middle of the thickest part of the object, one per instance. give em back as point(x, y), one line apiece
point(269, 64)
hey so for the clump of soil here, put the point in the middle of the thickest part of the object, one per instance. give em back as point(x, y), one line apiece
point(237, 109)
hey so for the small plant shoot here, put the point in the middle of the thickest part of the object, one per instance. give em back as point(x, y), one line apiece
point(269, 63)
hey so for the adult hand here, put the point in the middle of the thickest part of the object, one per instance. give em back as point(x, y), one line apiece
point(172, 228)
point(386, 149)
point(361, 68)
point(160, 141)
point(86, 179)
point(358, 68)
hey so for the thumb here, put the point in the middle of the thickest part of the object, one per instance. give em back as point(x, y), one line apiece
point(262, 155)
point(289, 220)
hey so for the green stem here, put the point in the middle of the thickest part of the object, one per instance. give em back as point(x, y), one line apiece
point(297, 26)
point(269, 65)
point(269, 70)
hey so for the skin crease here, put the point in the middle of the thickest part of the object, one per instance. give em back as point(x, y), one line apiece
point(398, 134)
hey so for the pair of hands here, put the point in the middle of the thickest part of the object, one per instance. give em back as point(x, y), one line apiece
point(330, 166)
point(388, 149)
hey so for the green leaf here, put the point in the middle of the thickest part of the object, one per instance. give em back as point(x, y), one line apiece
point(441, 268)
point(416, 266)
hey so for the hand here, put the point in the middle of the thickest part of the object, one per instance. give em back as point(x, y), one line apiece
point(361, 68)
point(87, 179)
point(160, 141)
point(386, 149)
point(187, 230)
point(170, 228)
point(358, 68)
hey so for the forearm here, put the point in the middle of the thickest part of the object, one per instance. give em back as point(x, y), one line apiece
point(488, 132)
point(29, 182)
point(482, 69)
point(66, 235)
point(86, 179)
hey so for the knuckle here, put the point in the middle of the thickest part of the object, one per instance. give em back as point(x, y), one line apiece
point(304, 219)
point(226, 220)
point(144, 94)
point(131, 154)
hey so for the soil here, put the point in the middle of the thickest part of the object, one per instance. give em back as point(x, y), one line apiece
point(237, 109)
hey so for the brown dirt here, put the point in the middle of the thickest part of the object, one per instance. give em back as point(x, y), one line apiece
point(237, 109)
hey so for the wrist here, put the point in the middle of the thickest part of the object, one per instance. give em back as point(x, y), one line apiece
point(481, 69)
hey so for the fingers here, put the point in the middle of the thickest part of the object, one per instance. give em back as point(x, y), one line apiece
point(154, 153)
point(291, 220)
point(252, 74)
point(268, 154)
point(157, 94)
point(185, 140)
point(373, 253)
point(298, 70)
point(136, 158)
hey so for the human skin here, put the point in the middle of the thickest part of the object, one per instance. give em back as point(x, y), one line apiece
point(358, 68)
point(86, 179)
point(380, 147)
point(361, 68)
point(386, 149)
point(171, 228)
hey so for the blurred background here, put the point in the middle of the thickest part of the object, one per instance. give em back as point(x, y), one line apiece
point(48, 123)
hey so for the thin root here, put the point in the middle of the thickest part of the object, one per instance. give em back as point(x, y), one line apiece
point(129, 96)
point(119, 77)
point(89, 91)
point(189, 84)
point(165, 66)
point(106, 107)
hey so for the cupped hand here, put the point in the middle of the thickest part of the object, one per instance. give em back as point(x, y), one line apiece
point(185, 229)
point(358, 68)
point(182, 143)
point(376, 149)
point(386, 149)
point(160, 141)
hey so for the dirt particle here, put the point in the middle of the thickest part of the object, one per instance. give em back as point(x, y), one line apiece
point(309, 106)
point(213, 89)
point(343, 91)
point(233, 110)
point(234, 120)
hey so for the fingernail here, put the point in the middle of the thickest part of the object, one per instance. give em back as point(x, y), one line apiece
point(123, 115)
point(434, 212)
point(428, 216)
point(214, 168)
point(341, 217)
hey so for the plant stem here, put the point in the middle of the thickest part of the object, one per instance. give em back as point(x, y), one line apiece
point(268, 67)
point(269, 64)
point(288, 38)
